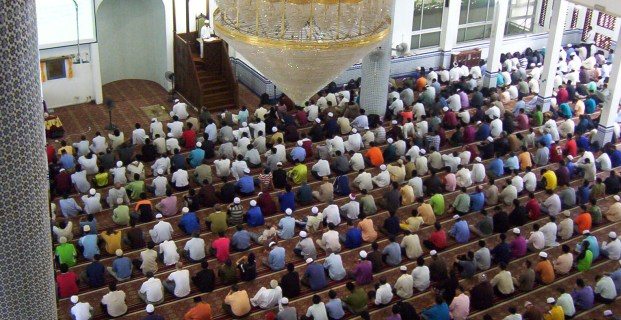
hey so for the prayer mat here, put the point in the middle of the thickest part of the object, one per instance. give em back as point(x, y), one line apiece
point(156, 111)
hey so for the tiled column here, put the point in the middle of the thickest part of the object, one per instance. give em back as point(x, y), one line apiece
point(26, 270)
point(375, 75)
point(450, 27)
point(555, 38)
point(495, 43)
point(611, 105)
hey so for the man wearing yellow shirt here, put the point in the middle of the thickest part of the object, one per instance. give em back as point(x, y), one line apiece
point(299, 173)
point(555, 313)
point(548, 179)
point(237, 302)
point(425, 211)
point(112, 240)
point(412, 223)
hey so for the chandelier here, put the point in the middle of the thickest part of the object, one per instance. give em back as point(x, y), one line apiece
point(301, 45)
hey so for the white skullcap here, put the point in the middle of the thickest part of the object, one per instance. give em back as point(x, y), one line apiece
point(279, 163)
point(490, 139)
point(172, 114)
point(74, 299)
point(539, 64)
point(153, 119)
point(198, 144)
point(150, 308)
point(315, 210)
point(284, 300)
point(223, 114)
point(569, 45)
point(62, 240)
point(570, 157)
point(403, 268)
point(607, 313)
point(244, 124)
point(61, 170)
point(390, 140)
point(445, 109)
point(478, 122)
point(352, 196)
point(176, 100)
point(612, 235)
point(317, 120)
point(160, 171)
point(86, 228)
point(456, 217)
point(586, 232)
point(237, 200)
point(185, 210)
point(246, 170)
point(253, 203)
point(566, 213)
point(300, 143)
point(383, 167)
point(527, 303)
point(550, 300)
point(309, 260)
point(363, 254)
point(422, 151)
point(170, 135)
point(516, 230)
point(354, 130)
point(330, 114)
point(273, 284)
point(303, 234)
point(433, 252)
point(543, 254)
point(158, 216)
point(617, 198)
point(119, 200)
point(272, 244)
point(119, 252)
point(394, 122)
point(477, 159)
point(288, 211)
point(92, 191)
point(119, 164)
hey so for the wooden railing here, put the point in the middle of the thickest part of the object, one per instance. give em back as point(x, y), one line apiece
point(227, 72)
point(186, 77)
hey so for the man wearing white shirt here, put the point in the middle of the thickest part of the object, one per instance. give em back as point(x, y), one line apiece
point(119, 173)
point(330, 239)
point(418, 110)
point(396, 106)
point(493, 112)
point(549, 231)
point(405, 284)
point(92, 202)
point(89, 163)
point(463, 176)
point(383, 294)
point(612, 249)
point(537, 240)
point(180, 180)
point(256, 127)
point(281, 152)
point(80, 310)
point(452, 161)
point(152, 291)
point(454, 102)
point(161, 165)
point(160, 143)
point(478, 171)
point(172, 143)
point(175, 128)
point(332, 214)
point(156, 127)
point(194, 249)
point(496, 127)
point(354, 141)
point(312, 110)
point(239, 168)
point(205, 34)
point(455, 73)
point(159, 184)
point(356, 161)
point(99, 144)
point(361, 122)
point(114, 301)
point(161, 231)
point(138, 135)
point(417, 185)
point(168, 250)
point(363, 180)
point(422, 165)
point(420, 274)
point(321, 169)
point(178, 282)
point(383, 178)
point(603, 162)
point(530, 180)
point(83, 146)
point(179, 110)
point(336, 144)
point(517, 182)
point(475, 72)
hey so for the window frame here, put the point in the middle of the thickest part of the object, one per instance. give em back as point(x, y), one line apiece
point(420, 32)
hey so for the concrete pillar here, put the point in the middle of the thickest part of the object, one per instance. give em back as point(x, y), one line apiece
point(450, 27)
point(611, 105)
point(96, 69)
point(375, 75)
point(495, 43)
point(28, 289)
point(555, 38)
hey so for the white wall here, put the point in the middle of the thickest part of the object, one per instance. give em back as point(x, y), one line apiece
point(196, 8)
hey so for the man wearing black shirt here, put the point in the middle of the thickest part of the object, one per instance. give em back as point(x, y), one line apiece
point(205, 279)
point(290, 282)
point(279, 177)
point(134, 237)
point(375, 257)
point(433, 184)
point(612, 183)
point(482, 294)
point(391, 225)
point(519, 215)
point(437, 268)
point(502, 251)
point(391, 200)
point(227, 191)
point(501, 221)
point(148, 152)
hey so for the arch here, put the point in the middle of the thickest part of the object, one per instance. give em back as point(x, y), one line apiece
point(132, 38)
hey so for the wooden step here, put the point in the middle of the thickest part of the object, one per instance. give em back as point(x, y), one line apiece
point(220, 87)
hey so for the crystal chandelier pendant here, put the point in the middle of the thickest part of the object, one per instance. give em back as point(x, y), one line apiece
point(301, 45)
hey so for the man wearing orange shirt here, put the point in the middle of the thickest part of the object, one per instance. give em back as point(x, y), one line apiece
point(421, 82)
point(544, 272)
point(237, 302)
point(200, 311)
point(583, 221)
point(525, 159)
point(374, 155)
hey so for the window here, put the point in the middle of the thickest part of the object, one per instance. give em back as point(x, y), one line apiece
point(602, 41)
point(587, 23)
point(606, 21)
point(542, 13)
point(520, 17)
point(574, 19)
point(427, 23)
point(475, 20)
point(55, 69)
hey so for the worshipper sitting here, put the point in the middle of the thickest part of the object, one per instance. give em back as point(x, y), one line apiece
point(267, 298)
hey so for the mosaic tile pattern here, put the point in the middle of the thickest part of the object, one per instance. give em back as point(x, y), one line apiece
point(28, 290)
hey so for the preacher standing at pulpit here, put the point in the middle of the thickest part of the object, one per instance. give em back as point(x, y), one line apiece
point(205, 35)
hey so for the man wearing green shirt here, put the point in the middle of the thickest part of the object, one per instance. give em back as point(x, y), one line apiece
point(217, 221)
point(437, 204)
point(595, 211)
point(462, 203)
point(357, 301)
point(135, 188)
point(66, 253)
point(538, 117)
point(120, 214)
point(299, 173)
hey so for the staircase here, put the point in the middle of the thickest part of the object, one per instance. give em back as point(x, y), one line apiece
point(209, 81)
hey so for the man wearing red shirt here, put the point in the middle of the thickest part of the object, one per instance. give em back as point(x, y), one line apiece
point(562, 95)
point(51, 153)
point(62, 182)
point(571, 148)
point(189, 137)
point(66, 282)
point(533, 207)
point(220, 247)
point(450, 118)
point(437, 239)
point(556, 153)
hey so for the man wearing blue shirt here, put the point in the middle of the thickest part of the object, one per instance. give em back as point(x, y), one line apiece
point(286, 199)
point(439, 311)
point(245, 185)
point(477, 200)
point(286, 226)
point(334, 307)
point(121, 268)
point(241, 239)
point(460, 230)
point(94, 274)
point(546, 138)
point(66, 160)
point(196, 156)
point(392, 252)
point(314, 276)
point(483, 132)
point(353, 237)
point(593, 245)
point(334, 265)
point(88, 242)
point(496, 167)
point(589, 105)
point(298, 153)
point(189, 223)
point(254, 216)
point(276, 258)
point(512, 162)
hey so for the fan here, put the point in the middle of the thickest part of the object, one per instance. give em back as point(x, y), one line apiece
point(110, 104)
point(170, 76)
point(402, 49)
